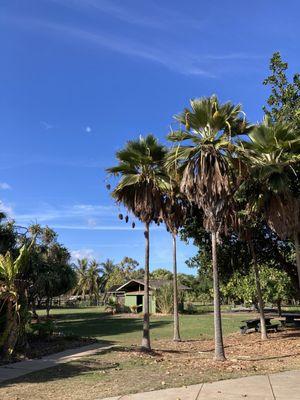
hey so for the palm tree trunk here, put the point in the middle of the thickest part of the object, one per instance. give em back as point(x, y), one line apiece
point(146, 322)
point(48, 307)
point(279, 307)
point(263, 328)
point(176, 336)
point(219, 346)
point(10, 334)
point(297, 250)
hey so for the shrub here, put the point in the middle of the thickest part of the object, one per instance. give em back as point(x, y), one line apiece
point(164, 299)
point(113, 306)
point(43, 329)
point(190, 308)
point(133, 309)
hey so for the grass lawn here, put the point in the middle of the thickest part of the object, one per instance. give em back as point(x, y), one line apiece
point(124, 369)
point(125, 329)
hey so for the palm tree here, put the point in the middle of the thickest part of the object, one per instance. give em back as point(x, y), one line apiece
point(93, 279)
point(273, 158)
point(82, 277)
point(142, 182)
point(206, 175)
point(174, 213)
point(107, 268)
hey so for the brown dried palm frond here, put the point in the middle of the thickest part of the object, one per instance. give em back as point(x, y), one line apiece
point(174, 211)
point(206, 182)
point(283, 214)
point(143, 181)
point(143, 199)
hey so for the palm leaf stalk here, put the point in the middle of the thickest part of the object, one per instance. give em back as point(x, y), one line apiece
point(140, 189)
point(206, 179)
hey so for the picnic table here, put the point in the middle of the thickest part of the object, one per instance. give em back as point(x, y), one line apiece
point(250, 324)
point(291, 319)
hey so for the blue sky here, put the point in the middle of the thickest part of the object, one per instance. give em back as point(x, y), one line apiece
point(81, 77)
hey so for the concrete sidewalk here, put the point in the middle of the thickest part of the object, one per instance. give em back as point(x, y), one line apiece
point(280, 386)
point(14, 370)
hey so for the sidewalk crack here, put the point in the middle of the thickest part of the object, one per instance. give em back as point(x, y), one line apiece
point(271, 387)
point(197, 397)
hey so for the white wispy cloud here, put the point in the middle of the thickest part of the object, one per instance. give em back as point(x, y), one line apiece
point(101, 227)
point(169, 53)
point(47, 213)
point(176, 59)
point(82, 253)
point(5, 186)
point(14, 162)
point(6, 208)
point(233, 56)
point(85, 217)
point(46, 125)
point(154, 16)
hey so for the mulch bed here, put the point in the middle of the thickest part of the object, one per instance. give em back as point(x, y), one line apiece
point(244, 353)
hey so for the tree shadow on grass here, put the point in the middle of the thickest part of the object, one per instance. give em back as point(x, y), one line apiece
point(87, 367)
point(94, 367)
point(98, 325)
point(102, 325)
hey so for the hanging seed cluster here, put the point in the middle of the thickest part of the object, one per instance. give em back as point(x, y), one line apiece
point(120, 215)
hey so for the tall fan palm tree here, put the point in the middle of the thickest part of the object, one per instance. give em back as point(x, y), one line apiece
point(206, 177)
point(174, 213)
point(273, 157)
point(142, 182)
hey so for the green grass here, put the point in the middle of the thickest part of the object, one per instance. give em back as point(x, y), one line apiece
point(121, 369)
point(291, 309)
point(94, 322)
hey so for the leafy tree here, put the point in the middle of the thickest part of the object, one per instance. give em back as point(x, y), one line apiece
point(50, 273)
point(142, 182)
point(165, 299)
point(117, 277)
point(271, 154)
point(234, 254)
point(118, 274)
point(206, 176)
point(161, 273)
point(128, 265)
point(284, 100)
point(8, 235)
point(138, 274)
point(275, 286)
